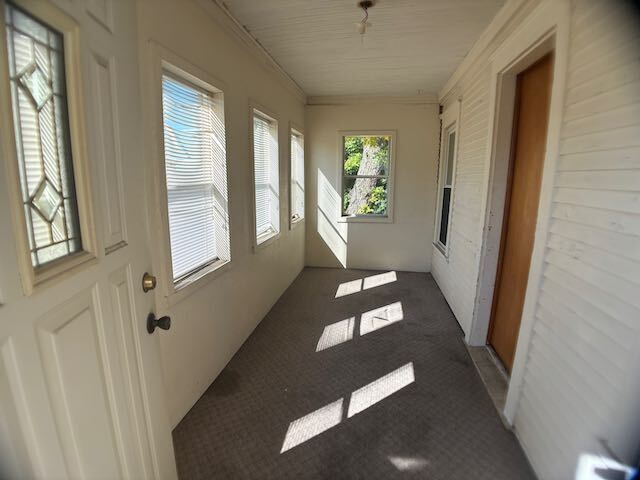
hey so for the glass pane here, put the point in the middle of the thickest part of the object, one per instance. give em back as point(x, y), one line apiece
point(364, 196)
point(366, 155)
point(444, 220)
point(42, 137)
point(450, 156)
point(196, 176)
point(297, 177)
point(266, 176)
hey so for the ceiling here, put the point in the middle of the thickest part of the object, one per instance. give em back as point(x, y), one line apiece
point(412, 48)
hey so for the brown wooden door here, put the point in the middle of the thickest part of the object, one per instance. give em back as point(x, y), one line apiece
point(533, 93)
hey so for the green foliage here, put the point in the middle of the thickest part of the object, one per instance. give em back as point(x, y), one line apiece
point(352, 145)
point(376, 202)
point(352, 164)
point(353, 152)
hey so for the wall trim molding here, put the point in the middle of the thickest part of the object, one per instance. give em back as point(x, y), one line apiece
point(511, 13)
point(425, 99)
point(220, 13)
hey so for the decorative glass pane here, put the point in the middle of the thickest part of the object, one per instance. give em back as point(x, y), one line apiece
point(366, 161)
point(36, 66)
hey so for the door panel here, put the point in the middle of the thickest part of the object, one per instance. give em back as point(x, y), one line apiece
point(533, 94)
point(81, 393)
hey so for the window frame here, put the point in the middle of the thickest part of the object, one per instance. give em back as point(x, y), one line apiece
point(165, 61)
point(368, 218)
point(34, 278)
point(450, 123)
point(196, 83)
point(265, 239)
point(294, 130)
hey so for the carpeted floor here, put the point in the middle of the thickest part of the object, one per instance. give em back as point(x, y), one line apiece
point(386, 391)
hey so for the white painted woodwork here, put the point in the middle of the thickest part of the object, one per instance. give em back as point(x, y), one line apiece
point(213, 316)
point(81, 389)
point(578, 381)
point(397, 244)
point(413, 45)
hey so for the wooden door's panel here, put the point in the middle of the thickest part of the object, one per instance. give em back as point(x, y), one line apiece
point(521, 210)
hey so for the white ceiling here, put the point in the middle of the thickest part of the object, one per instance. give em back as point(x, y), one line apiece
point(412, 48)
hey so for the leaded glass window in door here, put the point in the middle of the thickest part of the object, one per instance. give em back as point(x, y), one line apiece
point(38, 98)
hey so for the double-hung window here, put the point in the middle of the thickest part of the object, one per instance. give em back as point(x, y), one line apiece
point(266, 176)
point(297, 176)
point(448, 151)
point(366, 175)
point(196, 176)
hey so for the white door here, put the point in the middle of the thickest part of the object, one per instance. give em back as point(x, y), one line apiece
point(81, 392)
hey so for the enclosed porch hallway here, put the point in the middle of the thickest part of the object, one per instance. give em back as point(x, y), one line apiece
point(352, 374)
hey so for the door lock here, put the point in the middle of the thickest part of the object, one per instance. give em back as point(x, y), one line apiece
point(152, 322)
point(148, 282)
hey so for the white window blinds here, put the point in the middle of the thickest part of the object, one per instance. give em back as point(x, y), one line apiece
point(196, 176)
point(267, 195)
point(297, 176)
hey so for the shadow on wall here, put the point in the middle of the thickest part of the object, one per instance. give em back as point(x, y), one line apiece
point(332, 232)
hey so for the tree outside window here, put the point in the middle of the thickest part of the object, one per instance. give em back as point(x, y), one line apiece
point(365, 175)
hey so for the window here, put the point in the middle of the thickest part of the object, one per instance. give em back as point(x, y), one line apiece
point(39, 102)
point(297, 176)
point(366, 169)
point(196, 177)
point(446, 185)
point(266, 176)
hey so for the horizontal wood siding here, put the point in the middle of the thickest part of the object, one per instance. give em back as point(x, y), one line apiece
point(581, 378)
point(457, 275)
point(581, 383)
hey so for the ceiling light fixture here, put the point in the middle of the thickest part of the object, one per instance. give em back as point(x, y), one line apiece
point(362, 25)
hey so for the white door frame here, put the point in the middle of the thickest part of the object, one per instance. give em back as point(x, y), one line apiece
point(545, 30)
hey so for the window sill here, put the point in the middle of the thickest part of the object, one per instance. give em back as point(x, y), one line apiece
point(295, 223)
point(442, 249)
point(192, 283)
point(57, 269)
point(366, 219)
point(265, 240)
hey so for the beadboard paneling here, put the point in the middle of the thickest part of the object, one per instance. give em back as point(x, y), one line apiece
point(412, 44)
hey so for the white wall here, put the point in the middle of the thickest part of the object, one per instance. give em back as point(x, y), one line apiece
point(579, 380)
point(404, 244)
point(209, 325)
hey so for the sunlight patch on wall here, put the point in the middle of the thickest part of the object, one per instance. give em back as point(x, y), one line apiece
point(330, 230)
point(355, 286)
point(336, 333)
point(380, 317)
point(313, 424)
point(380, 389)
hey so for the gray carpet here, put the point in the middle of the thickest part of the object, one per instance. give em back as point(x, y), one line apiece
point(427, 415)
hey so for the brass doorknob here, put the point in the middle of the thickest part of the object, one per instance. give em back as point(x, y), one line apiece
point(148, 282)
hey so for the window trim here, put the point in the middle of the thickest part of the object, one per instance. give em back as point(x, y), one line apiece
point(270, 237)
point(450, 121)
point(35, 278)
point(165, 61)
point(295, 130)
point(368, 218)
